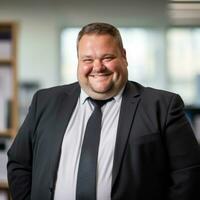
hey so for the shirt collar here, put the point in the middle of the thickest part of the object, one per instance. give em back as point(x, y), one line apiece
point(84, 96)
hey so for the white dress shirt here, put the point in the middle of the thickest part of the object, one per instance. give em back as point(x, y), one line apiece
point(71, 148)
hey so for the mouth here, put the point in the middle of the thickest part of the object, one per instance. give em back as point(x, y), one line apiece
point(100, 75)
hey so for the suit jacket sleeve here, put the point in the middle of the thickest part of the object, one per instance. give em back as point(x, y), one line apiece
point(183, 153)
point(20, 158)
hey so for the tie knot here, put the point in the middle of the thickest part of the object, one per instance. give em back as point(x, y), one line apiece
point(99, 103)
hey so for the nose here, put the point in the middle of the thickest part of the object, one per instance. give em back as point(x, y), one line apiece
point(98, 66)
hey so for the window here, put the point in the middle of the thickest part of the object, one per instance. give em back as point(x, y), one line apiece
point(183, 56)
point(68, 55)
point(167, 59)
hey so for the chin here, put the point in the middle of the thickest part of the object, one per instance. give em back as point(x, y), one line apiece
point(100, 89)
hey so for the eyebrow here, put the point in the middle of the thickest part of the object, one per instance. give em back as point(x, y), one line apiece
point(104, 55)
point(85, 56)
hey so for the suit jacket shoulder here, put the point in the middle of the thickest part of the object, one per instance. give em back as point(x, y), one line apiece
point(152, 96)
point(157, 107)
point(44, 98)
point(53, 92)
point(149, 91)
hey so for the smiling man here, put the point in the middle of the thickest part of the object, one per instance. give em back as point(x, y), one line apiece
point(104, 137)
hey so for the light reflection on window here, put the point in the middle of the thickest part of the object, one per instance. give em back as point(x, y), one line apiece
point(184, 62)
point(144, 53)
point(68, 55)
point(166, 59)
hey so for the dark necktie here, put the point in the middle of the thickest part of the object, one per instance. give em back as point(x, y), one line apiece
point(86, 179)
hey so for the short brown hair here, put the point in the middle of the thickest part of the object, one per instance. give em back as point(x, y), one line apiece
point(100, 28)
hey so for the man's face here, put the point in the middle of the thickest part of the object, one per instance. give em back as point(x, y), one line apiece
point(102, 66)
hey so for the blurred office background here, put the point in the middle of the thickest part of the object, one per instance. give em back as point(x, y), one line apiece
point(162, 39)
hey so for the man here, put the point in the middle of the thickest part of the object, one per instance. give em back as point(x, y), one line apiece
point(147, 149)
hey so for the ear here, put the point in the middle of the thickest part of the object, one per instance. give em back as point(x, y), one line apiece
point(124, 55)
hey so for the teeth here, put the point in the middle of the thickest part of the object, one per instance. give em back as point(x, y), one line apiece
point(94, 75)
point(98, 75)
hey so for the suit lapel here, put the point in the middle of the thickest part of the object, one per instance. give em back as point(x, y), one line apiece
point(130, 100)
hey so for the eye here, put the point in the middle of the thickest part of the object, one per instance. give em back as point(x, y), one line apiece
point(87, 60)
point(108, 58)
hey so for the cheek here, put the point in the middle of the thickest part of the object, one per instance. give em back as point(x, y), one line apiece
point(115, 67)
point(84, 70)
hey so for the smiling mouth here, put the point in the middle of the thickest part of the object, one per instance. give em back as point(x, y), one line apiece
point(99, 75)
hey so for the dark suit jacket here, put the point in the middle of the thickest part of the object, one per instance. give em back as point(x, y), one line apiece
point(156, 155)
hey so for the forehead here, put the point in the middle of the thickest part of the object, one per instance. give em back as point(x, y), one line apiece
point(97, 39)
point(97, 45)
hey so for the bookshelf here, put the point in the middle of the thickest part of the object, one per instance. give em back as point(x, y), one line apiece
point(8, 79)
point(5, 190)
